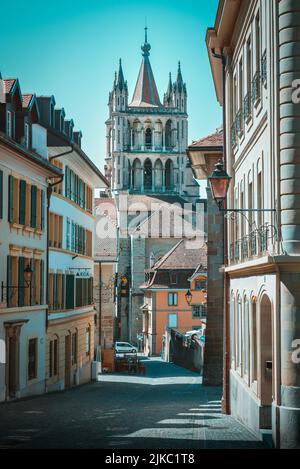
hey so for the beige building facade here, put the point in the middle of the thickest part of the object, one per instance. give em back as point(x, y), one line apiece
point(259, 43)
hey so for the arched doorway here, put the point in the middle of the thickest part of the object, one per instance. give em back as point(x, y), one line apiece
point(266, 357)
point(148, 175)
point(169, 175)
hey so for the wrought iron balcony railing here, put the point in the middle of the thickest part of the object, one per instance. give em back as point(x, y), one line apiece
point(256, 244)
point(233, 135)
point(239, 122)
point(264, 70)
point(256, 91)
point(247, 106)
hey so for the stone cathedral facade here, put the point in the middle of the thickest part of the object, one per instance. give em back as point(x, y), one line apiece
point(146, 162)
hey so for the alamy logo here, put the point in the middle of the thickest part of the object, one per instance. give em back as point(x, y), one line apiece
point(2, 351)
point(296, 353)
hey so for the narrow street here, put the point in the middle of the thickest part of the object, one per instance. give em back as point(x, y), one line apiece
point(166, 408)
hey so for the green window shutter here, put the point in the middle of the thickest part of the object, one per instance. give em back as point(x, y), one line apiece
point(22, 202)
point(42, 280)
point(10, 199)
point(33, 206)
point(42, 210)
point(9, 280)
point(21, 282)
point(67, 192)
point(32, 284)
point(1, 194)
point(70, 288)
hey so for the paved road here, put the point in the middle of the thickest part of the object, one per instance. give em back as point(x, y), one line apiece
point(168, 409)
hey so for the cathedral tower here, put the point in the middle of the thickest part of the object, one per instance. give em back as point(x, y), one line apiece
point(147, 140)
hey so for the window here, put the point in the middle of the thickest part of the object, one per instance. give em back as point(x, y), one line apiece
point(254, 342)
point(32, 359)
point(258, 42)
point(74, 349)
point(173, 279)
point(249, 64)
point(199, 311)
point(119, 136)
point(84, 291)
point(246, 338)
point(239, 332)
point(87, 340)
point(172, 320)
point(27, 135)
point(172, 299)
point(55, 230)
point(241, 84)
point(9, 124)
point(200, 285)
point(118, 176)
point(53, 357)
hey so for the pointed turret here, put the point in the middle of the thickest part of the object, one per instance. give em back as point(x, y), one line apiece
point(145, 93)
point(179, 90)
point(168, 97)
point(120, 82)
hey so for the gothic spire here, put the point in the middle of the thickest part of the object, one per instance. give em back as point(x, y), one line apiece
point(145, 93)
point(179, 81)
point(120, 82)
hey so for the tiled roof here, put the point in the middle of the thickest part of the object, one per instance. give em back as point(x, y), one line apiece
point(213, 140)
point(184, 255)
point(8, 84)
point(26, 98)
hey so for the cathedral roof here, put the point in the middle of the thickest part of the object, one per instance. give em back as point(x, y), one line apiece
point(145, 93)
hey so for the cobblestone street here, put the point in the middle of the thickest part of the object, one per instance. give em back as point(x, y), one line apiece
point(168, 408)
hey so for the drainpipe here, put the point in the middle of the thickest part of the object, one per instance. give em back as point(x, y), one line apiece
point(226, 324)
point(100, 302)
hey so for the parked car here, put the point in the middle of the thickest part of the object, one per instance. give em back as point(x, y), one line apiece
point(124, 347)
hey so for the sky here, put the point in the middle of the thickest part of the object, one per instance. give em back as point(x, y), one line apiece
point(71, 49)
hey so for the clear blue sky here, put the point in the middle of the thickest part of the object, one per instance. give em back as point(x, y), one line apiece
point(71, 48)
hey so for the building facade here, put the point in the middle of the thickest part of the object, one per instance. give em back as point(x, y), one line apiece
point(72, 316)
point(25, 173)
point(259, 42)
point(179, 272)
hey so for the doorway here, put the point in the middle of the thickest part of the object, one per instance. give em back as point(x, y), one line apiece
point(68, 361)
point(266, 359)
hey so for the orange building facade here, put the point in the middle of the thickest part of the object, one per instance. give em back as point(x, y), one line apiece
point(174, 296)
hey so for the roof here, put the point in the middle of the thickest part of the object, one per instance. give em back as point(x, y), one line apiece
point(145, 93)
point(181, 256)
point(8, 84)
point(26, 99)
point(212, 140)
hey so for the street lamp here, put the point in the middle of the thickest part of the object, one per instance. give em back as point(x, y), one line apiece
point(28, 273)
point(219, 182)
point(188, 297)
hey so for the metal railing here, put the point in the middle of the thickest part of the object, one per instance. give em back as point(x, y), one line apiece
point(257, 243)
point(247, 106)
point(256, 91)
point(264, 70)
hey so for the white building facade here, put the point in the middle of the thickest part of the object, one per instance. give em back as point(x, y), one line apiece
point(25, 174)
point(258, 39)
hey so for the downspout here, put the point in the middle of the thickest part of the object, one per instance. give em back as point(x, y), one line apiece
point(49, 193)
point(226, 324)
point(100, 302)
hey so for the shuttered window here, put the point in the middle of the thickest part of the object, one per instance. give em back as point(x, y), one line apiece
point(10, 198)
point(33, 206)
point(21, 282)
point(22, 202)
point(42, 281)
point(70, 290)
point(67, 182)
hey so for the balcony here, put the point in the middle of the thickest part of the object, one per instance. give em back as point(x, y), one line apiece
point(239, 123)
point(258, 243)
point(264, 70)
point(256, 90)
point(247, 107)
point(233, 135)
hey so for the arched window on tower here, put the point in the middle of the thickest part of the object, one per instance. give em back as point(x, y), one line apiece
point(169, 171)
point(148, 175)
point(148, 138)
point(168, 131)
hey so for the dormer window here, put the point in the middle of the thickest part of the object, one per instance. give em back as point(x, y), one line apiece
point(9, 123)
point(27, 135)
